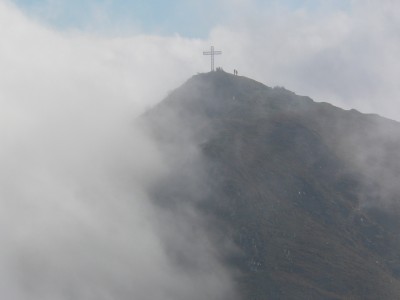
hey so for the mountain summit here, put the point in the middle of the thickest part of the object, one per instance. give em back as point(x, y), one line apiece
point(307, 193)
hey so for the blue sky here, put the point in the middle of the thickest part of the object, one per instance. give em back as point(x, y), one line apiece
point(189, 18)
point(152, 17)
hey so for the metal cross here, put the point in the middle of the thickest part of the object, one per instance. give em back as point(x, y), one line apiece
point(212, 53)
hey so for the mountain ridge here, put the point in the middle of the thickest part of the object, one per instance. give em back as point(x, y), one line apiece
point(306, 191)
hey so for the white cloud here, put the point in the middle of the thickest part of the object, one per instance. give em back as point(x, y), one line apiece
point(346, 57)
point(76, 219)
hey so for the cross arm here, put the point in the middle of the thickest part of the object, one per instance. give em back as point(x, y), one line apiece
point(211, 53)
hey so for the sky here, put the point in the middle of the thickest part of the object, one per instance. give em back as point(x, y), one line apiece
point(193, 19)
point(343, 52)
point(73, 77)
point(187, 18)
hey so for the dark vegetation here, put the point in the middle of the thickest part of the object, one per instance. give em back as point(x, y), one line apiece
point(307, 192)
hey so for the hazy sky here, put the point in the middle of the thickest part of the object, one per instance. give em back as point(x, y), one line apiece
point(188, 18)
point(343, 52)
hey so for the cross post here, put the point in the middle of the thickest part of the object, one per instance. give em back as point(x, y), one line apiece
point(212, 53)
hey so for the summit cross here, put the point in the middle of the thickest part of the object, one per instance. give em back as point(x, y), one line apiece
point(212, 53)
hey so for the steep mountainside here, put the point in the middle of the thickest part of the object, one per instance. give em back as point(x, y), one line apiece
point(307, 192)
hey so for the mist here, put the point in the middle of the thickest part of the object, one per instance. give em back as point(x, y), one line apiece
point(78, 221)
